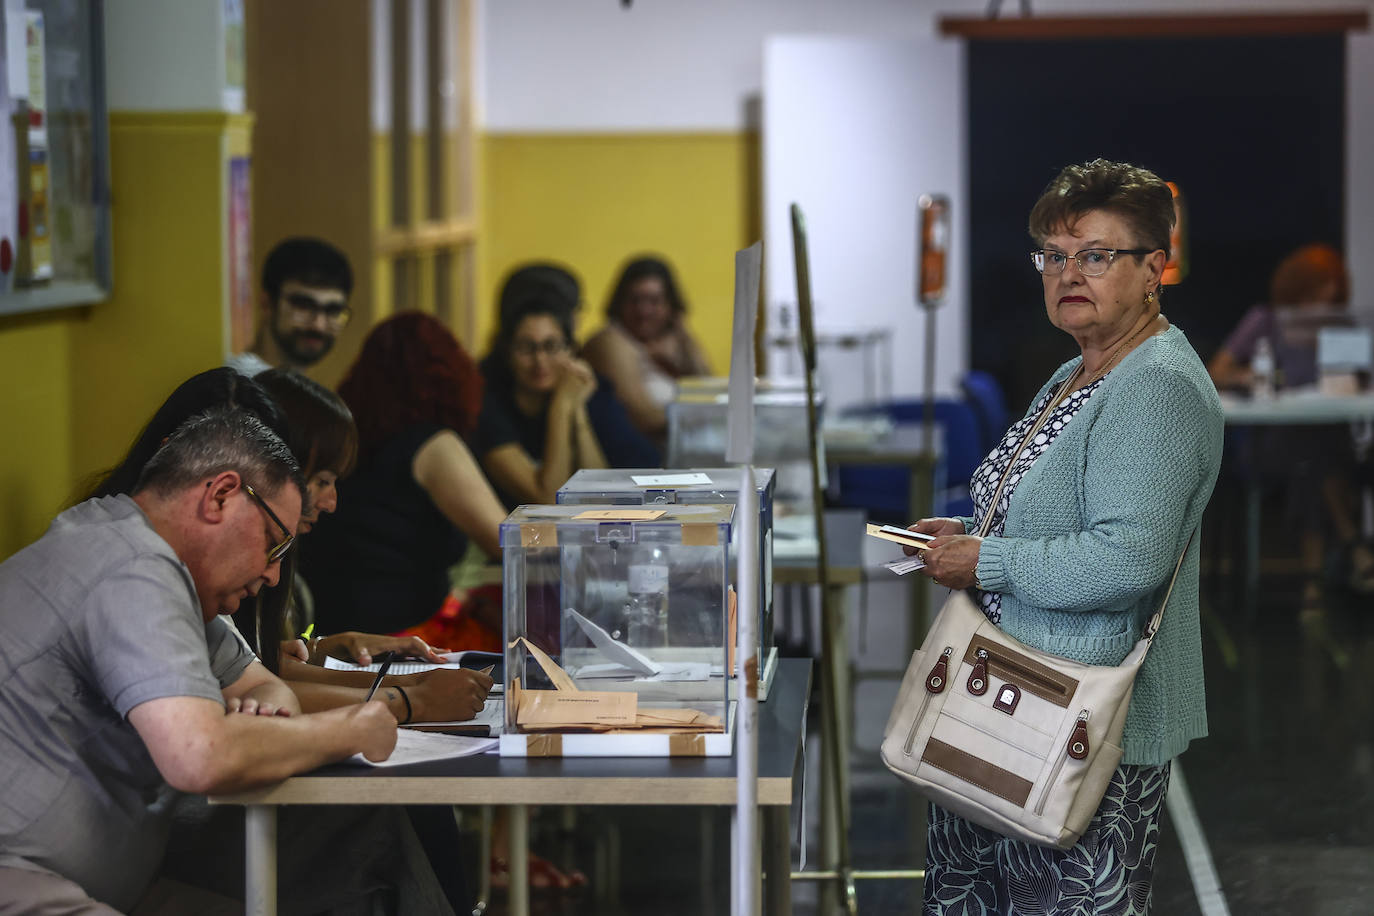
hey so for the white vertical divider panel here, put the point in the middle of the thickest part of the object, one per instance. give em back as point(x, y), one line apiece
point(855, 129)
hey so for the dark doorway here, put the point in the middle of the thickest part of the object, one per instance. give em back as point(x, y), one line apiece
point(1252, 130)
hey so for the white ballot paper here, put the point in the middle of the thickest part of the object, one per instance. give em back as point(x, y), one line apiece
point(906, 564)
point(636, 662)
point(421, 747)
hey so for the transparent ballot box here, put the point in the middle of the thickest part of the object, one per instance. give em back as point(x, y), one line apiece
point(705, 486)
point(617, 625)
point(697, 422)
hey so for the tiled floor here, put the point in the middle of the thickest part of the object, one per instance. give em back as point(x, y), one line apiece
point(1283, 788)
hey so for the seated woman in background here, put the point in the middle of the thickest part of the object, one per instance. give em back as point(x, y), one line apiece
point(1311, 281)
point(645, 347)
point(381, 562)
point(534, 429)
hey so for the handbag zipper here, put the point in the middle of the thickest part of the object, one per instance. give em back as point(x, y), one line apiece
point(1079, 727)
point(935, 683)
point(1027, 674)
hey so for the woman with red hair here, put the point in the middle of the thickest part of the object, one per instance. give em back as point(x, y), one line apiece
point(381, 562)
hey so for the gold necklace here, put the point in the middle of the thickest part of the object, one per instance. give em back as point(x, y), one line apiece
point(1106, 367)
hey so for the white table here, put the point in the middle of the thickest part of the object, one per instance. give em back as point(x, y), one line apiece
point(522, 781)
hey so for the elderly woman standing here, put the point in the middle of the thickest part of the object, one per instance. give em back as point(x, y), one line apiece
point(1085, 536)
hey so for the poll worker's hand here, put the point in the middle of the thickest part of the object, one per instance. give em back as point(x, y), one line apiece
point(375, 728)
point(295, 648)
point(360, 647)
point(939, 527)
point(250, 706)
point(445, 694)
point(576, 381)
point(952, 559)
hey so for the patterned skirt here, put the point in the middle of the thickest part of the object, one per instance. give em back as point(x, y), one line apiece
point(972, 871)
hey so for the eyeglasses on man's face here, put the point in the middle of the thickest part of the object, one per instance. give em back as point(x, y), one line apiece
point(304, 308)
point(1092, 262)
point(529, 349)
point(278, 551)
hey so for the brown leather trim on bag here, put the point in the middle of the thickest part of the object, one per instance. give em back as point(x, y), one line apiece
point(1023, 671)
point(980, 773)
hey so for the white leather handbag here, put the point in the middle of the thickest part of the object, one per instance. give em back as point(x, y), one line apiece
point(1015, 739)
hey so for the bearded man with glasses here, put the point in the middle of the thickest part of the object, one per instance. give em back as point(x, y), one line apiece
point(303, 306)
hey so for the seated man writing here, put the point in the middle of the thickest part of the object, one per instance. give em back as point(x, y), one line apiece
point(118, 680)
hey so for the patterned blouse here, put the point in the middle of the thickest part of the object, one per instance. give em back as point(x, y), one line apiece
point(988, 474)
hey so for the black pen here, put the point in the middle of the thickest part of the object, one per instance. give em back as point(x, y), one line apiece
point(386, 659)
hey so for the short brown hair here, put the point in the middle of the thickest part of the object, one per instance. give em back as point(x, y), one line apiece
point(1136, 195)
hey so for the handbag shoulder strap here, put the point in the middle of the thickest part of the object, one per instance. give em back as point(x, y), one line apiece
point(1040, 420)
point(1152, 627)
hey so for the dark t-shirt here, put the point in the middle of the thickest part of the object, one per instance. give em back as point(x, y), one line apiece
point(502, 422)
point(380, 562)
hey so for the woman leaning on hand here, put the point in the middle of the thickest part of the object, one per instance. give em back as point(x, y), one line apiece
point(1086, 534)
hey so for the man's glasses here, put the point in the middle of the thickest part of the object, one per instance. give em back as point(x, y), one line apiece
point(1092, 262)
point(305, 308)
point(279, 551)
point(529, 349)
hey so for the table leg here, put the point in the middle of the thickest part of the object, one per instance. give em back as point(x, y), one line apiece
point(519, 832)
point(778, 850)
point(260, 860)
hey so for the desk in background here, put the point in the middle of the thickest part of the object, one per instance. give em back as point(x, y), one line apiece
point(492, 780)
point(1295, 408)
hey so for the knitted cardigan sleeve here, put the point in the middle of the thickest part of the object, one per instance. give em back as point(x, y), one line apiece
point(1146, 456)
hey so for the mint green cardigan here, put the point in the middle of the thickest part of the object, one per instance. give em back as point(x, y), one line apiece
point(1095, 527)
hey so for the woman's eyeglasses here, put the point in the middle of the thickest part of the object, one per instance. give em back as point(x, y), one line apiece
point(529, 349)
point(279, 551)
point(1092, 262)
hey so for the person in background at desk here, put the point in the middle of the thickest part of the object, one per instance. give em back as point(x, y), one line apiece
point(1085, 535)
point(645, 346)
point(1312, 459)
point(130, 685)
point(303, 305)
point(381, 562)
point(534, 430)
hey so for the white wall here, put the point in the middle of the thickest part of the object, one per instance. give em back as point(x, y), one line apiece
point(855, 130)
point(592, 65)
point(167, 55)
point(679, 65)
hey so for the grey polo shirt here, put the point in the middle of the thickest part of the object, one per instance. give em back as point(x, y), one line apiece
point(96, 617)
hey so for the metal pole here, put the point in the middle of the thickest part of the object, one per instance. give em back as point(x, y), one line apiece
point(746, 869)
point(260, 865)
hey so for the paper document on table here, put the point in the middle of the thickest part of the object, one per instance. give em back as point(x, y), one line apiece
point(471, 658)
point(421, 747)
point(614, 650)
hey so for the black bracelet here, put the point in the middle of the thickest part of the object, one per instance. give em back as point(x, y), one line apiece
point(409, 712)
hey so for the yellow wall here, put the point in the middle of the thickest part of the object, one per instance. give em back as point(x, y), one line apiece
point(592, 200)
point(79, 383)
point(35, 460)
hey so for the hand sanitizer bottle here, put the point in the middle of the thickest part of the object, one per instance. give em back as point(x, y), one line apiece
point(1262, 371)
point(647, 609)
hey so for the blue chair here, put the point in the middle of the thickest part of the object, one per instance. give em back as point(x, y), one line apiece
point(983, 392)
point(883, 490)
